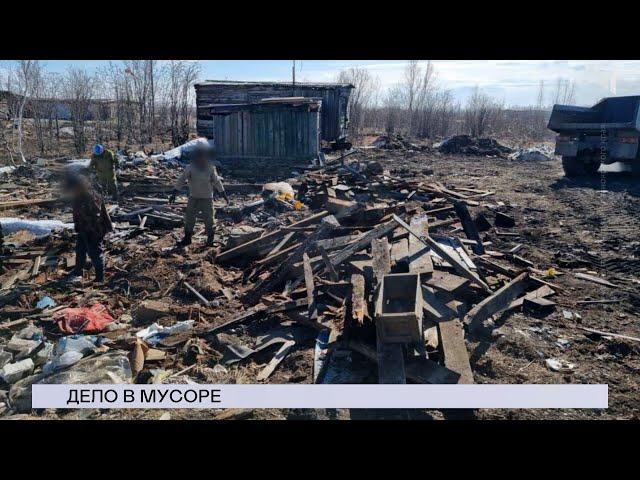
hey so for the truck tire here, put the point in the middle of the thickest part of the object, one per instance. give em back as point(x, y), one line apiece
point(578, 167)
point(635, 168)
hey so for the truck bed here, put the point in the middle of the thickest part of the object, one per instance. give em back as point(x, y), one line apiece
point(614, 113)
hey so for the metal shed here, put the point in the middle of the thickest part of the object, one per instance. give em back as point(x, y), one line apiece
point(281, 130)
point(334, 97)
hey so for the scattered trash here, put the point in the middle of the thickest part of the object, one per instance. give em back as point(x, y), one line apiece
point(45, 302)
point(83, 319)
point(154, 333)
point(558, 365)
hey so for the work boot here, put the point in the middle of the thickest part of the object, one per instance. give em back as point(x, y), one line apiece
point(185, 241)
point(210, 240)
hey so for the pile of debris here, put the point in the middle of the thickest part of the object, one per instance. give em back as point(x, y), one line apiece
point(467, 145)
point(341, 262)
point(395, 142)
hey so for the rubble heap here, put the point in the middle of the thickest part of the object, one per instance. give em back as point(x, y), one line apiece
point(467, 145)
point(397, 270)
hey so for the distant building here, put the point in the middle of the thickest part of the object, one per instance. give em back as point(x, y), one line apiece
point(99, 109)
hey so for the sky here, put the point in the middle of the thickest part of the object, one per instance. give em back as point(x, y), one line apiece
point(516, 82)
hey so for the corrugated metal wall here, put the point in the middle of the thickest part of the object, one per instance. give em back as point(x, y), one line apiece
point(335, 100)
point(283, 132)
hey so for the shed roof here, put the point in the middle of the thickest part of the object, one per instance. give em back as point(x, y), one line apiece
point(238, 83)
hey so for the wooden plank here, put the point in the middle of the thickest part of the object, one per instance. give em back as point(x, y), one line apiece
point(498, 301)
point(399, 251)
point(25, 203)
point(608, 334)
point(447, 282)
point(333, 274)
point(281, 243)
point(381, 258)
point(542, 292)
point(390, 363)
point(434, 308)
point(276, 360)
point(362, 242)
point(469, 227)
point(358, 301)
point(419, 255)
point(594, 279)
point(308, 281)
point(455, 352)
point(265, 239)
point(455, 263)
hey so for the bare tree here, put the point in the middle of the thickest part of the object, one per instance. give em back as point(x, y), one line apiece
point(180, 78)
point(362, 96)
point(481, 109)
point(26, 76)
point(565, 92)
point(143, 84)
point(78, 92)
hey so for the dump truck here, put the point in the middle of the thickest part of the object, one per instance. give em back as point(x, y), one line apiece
point(603, 134)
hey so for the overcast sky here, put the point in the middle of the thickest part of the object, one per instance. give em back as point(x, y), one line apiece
point(514, 81)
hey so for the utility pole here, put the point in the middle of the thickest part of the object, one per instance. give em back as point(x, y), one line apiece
point(293, 71)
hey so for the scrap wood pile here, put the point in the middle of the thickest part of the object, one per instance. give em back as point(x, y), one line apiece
point(394, 270)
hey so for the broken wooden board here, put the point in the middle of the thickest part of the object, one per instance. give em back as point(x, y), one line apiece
point(381, 258)
point(362, 242)
point(399, 252)
point(498, 301)
point(390, 363)
point(447, 282)
point(308, 280)
point(277, 277)
point(457, 265)
point(469, 227)
point(434, 308)
point(25, 203)
point(594, 279)
point(254, 245)
point(456, 356)
point(421, 370)
point(419, 255)
point(276, 360)
point(542, 292)
point(358, 300)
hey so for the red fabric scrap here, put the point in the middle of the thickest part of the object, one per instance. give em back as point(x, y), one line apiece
point(83, 319)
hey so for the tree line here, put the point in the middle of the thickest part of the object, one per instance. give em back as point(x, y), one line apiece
point(420, 107)
point(131, 102)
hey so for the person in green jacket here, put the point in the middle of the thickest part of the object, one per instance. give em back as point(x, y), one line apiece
point(202, 179)
point(103, 163)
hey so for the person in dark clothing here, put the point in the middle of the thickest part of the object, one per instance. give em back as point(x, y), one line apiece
point(91, 221)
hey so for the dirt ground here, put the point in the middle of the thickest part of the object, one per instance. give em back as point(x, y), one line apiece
point(570, 225)
point(587, 226)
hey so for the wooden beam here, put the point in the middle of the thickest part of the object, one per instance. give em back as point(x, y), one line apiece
point(498, 301)
point(308, 281)
point(362, 242)
point(419, 256)
point(454, 262)
point(455, 352)
point(381, 258)
point(469, 227)
point(358, 301)
point(390, 363)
